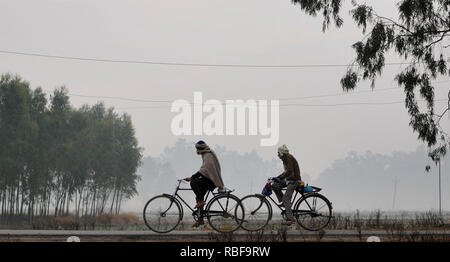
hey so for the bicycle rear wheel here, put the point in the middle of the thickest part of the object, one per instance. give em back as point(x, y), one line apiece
point(225, 213)
point(258, 212)
point(162, 213)
point(313, 211)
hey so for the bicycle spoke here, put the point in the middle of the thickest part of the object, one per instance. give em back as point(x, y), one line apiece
point(162, 214)
point(225, 213)
point(314, 203)
point(226, 206)
point(257, 212)
point(322, 206)
point(313, 212)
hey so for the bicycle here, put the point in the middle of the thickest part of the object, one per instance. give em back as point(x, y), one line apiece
point(224, 212)
point(312, 210)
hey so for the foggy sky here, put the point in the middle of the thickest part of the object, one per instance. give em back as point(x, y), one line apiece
point(211, 31)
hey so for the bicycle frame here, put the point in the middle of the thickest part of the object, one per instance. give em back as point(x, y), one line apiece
point(303, 205)
point(221, 204)
point(293, 200)
point(180, 199)
point(281, 207)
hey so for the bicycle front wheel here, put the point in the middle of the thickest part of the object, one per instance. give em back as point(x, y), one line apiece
point(162, 213)
point(258, 212)
point(313, 212)
point(225, 213)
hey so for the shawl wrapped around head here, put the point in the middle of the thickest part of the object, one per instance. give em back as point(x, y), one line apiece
point(210, 167)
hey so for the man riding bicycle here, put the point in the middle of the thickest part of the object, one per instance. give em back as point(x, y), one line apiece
point(290, 178)
point(207, 178)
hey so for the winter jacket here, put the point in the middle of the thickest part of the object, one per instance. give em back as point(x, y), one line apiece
point(291, 168)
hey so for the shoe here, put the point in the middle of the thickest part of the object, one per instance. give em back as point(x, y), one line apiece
point(200, 204)
point(198, 223)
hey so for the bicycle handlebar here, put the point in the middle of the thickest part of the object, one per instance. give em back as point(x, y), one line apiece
point(273, 179)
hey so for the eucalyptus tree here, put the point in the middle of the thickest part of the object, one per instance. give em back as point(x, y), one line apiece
point(419, 35)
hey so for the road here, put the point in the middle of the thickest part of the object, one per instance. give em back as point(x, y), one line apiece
point(207, 235)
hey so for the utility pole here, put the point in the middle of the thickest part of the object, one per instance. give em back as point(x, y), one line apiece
point(440, 209)
point(395, 191)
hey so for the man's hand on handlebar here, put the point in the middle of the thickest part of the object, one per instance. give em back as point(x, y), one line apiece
point(275, 179)
point(188, 179)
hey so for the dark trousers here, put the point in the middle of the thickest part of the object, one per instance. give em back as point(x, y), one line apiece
point(286, 197)
point(200, 185)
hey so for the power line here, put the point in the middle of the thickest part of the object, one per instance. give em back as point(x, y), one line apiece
point(105, 60)
point(338, 94)
point(123, 98)
point(301, 105)
point(282, 105)
point(351, 93)
point(281, 99)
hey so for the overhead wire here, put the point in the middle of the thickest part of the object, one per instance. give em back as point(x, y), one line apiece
point(151, 62)
point(281, 99)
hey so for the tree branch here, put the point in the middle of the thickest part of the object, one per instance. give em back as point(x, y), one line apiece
point(439, 40)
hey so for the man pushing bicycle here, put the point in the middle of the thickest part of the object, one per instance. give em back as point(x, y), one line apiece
point(290, 178)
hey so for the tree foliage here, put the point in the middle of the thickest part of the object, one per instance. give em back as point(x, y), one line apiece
point(55, 158)
point(419, 36)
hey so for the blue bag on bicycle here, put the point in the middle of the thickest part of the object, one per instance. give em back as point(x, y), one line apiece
point(267, 190)
point(308, 189)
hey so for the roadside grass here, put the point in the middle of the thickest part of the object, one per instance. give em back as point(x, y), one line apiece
point(359, 221)
point(125, 221)
point(377, 220)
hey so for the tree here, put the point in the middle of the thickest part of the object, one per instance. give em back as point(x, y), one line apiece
point(418, 36)
point(62, 132)
point(15, 132)
point(125, 177)
point(56, 156)
point(38, 157)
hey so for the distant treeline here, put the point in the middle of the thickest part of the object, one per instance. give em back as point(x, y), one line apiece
point(56, 159)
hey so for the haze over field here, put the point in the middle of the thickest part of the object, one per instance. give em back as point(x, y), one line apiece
point(357, 181)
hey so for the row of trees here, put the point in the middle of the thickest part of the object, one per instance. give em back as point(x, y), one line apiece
point(55, 158)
